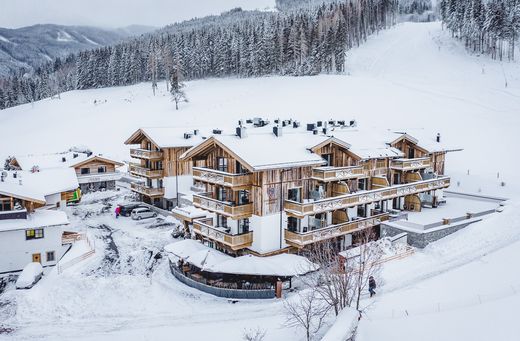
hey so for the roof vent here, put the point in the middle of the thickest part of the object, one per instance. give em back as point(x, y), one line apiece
point(277, 121)
point(259, 122)
point(63, 159)
point(20, 182)
point(438, 139)
point(325, 130)
point(296, 124)
point(241, 132)
point(187, 135)
point(249, 120)
point(217, 131)
point(277, 131)
point(341, 123)
point(75, 155)
point(89, 153)
point(311, 126)
point(3, 176)
point(15, 175)
point(315, 132)
point(318, 124)
point(195, 132)
point(353, 123)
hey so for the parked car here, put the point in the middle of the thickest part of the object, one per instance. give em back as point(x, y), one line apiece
point(143, 213)
point(126, 209)
point(30, 275)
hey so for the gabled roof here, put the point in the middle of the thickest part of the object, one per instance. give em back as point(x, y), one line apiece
point(36, 186)
point(262, 151)
point(166, 137)
point(58, 160)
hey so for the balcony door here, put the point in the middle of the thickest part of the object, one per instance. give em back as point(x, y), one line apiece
point(221, 194)
point(222, 164)
point(243, 226)
point(243, 197)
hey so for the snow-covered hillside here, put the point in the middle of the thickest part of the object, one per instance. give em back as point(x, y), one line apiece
point(414, 76)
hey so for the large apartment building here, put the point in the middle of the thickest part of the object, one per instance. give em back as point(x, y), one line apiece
point(162, 176)
point(272, 188)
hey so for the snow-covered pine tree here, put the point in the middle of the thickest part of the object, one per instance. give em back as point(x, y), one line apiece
point(176, 88)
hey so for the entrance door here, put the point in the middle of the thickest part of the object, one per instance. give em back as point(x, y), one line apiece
point(37, 257)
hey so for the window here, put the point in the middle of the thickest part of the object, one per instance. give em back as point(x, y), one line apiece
point(85, 171)
point(411, 153)
point(102, 169)
point(239, 168)
point(362, 184)
point(292, 224)
point(33, 234)
point(243, 197)
point(243, 226)
point(222, 164)
point(51, 257)
point(328, 158)
point(221, 221)
point(294, 194)
point(221, 194)
point(5, 204)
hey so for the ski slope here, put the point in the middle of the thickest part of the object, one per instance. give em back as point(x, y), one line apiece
point(413, 76)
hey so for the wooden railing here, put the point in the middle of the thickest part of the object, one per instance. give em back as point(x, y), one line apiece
point(205, 228)
point(222, 178)
point(364, 197)
point(410, 164)
point(146, 172)
point(146, 154)
point(148, 191)
point(337, 173)
point(206, 202)
point(302, 239)
point(71, 237)
point(62, 266)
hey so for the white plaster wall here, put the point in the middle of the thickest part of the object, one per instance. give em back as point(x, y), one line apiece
point(16, 252)
point(266, 232)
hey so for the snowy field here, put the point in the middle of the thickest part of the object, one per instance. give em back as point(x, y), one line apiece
point(413, 76)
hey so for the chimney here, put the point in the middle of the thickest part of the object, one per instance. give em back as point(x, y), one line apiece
point(241, 132)
point(277, 130)
point(75, 155)
point(187, 136)
point(311, 126)
point(196, 132)
point(438, 137)
point(217, 131)
point(353, 123)
point(63, 159)
point(315, 132)
point(296, 124)
point(318, 124)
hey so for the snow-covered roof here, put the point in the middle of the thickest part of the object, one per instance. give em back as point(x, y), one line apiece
point(40, 218)
point(185, 248)
point(168, 137)
point(278, 265)
point(58, 160)
point(36, 186)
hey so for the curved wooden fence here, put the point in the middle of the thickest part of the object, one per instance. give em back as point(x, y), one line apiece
point(221, 292)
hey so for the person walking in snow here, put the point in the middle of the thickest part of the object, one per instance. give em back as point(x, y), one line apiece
point(371, 286)
point(118, 211)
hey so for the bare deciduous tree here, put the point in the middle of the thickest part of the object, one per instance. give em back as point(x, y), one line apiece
point(257, 334)
point(307, 311)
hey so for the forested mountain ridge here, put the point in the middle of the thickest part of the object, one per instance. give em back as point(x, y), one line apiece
point(237, 43)
point(29, 47)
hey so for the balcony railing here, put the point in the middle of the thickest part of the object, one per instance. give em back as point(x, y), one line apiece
point(410, 164)
point(13, 214)
point(229, 209)
point(146, 172)
point(205, 228)
point(148, 191)
point(222, 178)
point(146, 154)
point(363, 197)
point(302, 239)
point(337, 173)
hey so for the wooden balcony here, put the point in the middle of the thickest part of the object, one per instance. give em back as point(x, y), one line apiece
point(204, 227)
point(146, 154)
point(136, 169)
point(363, 197)
point(206, 202)
point(337, 173)
point(410, 164)
point(222, 178)
point(300, 240)
point(148, 191)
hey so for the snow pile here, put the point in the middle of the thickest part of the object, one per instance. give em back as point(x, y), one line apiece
point(344, 327)
point(31, 273)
